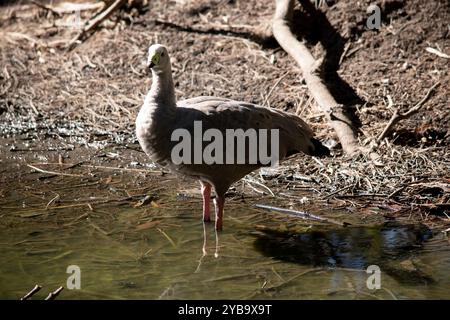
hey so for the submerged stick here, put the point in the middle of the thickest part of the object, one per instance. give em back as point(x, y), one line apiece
point(54, 294)
point(32, 292)
point(288, 281)
point(302, 214)
point(167, 237)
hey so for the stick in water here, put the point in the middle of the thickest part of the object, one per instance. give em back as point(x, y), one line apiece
point(31, 293)
point(54, 294)
point(301, 214)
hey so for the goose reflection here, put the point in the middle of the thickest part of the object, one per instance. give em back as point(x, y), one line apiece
point(351, 247)
point(205, 246)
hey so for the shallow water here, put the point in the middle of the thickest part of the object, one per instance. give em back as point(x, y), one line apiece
point(168, 253)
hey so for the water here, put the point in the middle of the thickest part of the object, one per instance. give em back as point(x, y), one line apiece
point(165, 252)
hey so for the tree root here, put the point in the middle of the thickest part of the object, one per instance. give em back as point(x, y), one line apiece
point(335, 112)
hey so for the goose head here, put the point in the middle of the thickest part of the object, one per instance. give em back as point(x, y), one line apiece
point(158, 58)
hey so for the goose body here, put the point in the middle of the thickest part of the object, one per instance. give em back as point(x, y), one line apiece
point(161, 115)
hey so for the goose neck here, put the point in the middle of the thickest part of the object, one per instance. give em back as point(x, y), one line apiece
point(162, 90)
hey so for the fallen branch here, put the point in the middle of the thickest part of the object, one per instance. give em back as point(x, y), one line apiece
point(31, 293)
point(335, 113)
point(92, 24)
point(397, 116)
point(302, 214)
point(54, 294)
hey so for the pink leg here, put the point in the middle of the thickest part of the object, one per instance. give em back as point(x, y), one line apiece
point(219, 203)
point(206, 194)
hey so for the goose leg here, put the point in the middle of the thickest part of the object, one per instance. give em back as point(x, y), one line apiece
point(219, 202)
point(206, 194)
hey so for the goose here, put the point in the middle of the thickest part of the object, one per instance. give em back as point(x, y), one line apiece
point(162, 119)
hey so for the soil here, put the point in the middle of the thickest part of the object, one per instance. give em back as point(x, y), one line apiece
point(86, 99)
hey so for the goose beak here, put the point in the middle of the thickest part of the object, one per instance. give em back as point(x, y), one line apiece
point(150, 65)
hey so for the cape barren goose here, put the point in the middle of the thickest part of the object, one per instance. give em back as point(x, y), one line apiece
point(162, 121)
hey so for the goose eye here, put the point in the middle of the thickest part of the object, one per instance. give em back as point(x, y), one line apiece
point(162, 54)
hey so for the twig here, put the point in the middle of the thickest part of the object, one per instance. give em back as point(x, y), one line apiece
point(96, 227)
point(92, 167)
point(54, 294)
point(94, 22)
point(397, 116)
point(227, 277)
point(31, 293)
point(167, 237)
point(84, 215)
point(62, 255)
point(301, 214)
point(53, 172)
point(360, 195)
point(288, 281)
point(273, 88)
point(348, 54)
point(390, 292)
point(55, 198)
point(347, 46)
point(259, 184)
point(437, 52)
point(69, 7)
point(43, 6)
point(337, 191)
point(118, 169)
point(39, 212)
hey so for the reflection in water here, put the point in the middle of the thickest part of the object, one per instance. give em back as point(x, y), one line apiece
point(205, 246)
point(351, 247)
point(176, 257)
